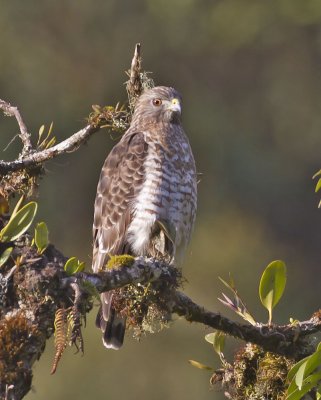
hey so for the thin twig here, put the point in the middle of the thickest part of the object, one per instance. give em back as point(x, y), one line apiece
point(29, 158)
point(38, 157)
point(134, 84)
point(25, 136)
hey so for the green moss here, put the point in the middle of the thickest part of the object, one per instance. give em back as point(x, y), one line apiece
point(114, 118)
point(146, 306)
point(124, 260)
point(15, 334)
point(259, 374)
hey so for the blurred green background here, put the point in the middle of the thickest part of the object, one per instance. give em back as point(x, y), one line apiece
point(250, 75)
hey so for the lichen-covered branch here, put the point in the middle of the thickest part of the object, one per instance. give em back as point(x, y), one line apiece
point(31, 157)
point(280, 339)
point(13, 111)
point(31, 294)
point(39, 157)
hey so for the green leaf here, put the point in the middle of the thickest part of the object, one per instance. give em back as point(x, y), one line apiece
point(210, 337)
point(41, 237)
point(295, 368)
point(51, 142)
point(200, 365)
point(219, 342)
point(299, 376)
point(236, 304)
point(18, 205)
point(73, 265)
point(272, 285)
point(313, 362)
point(318, 186)
point(217, 339)
point(300, 373)
point(81, 266)
point(294, 393)
point(40, 133)
point(19, 222)
point(5, 255)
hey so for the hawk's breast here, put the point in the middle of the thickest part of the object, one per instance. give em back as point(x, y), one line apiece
point(168, 193)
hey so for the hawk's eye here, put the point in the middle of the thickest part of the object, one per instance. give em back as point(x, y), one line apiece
point(157, 102)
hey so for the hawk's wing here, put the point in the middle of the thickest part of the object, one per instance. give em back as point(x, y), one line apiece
point(120, 181)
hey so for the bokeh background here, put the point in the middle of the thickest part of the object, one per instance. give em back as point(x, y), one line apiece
point(250, 75)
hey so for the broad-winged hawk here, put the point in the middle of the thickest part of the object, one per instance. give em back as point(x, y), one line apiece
point(146, 195)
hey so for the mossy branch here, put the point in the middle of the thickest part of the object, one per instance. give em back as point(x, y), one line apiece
point(32, 294)
point(280, 339)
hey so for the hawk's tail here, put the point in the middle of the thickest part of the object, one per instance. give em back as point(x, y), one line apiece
point(112, 324)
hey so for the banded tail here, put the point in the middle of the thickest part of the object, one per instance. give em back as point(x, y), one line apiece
point(111, 324)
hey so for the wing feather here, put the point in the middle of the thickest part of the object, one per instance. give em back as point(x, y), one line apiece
point(120, 181)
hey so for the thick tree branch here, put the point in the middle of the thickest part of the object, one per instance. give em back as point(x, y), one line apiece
point(283, 339)
point(31, 294)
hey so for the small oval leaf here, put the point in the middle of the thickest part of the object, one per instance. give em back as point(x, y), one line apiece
point(19, 223)
point(295, 368)
point(210, 337)
point(299, 376)
point(272, 285)
point(219, 343)
point(71, 266)
point(5, 255)
point(41, 237)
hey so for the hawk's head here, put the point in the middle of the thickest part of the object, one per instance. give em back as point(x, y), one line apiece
point(159, 104)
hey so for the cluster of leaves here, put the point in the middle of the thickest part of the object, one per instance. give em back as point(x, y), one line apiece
point(68, 321)
point(45, 139)
point(114, 118)
point(305, 376)
point(20, 221)
point(73, 265)
point(272, 285)
point(271, 289)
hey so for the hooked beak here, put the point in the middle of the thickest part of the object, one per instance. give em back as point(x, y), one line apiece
point(175, 106)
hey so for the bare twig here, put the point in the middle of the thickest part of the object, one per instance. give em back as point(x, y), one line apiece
point(30, 158)
point(38, 157)
point(13, 111)
point(134, 84)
